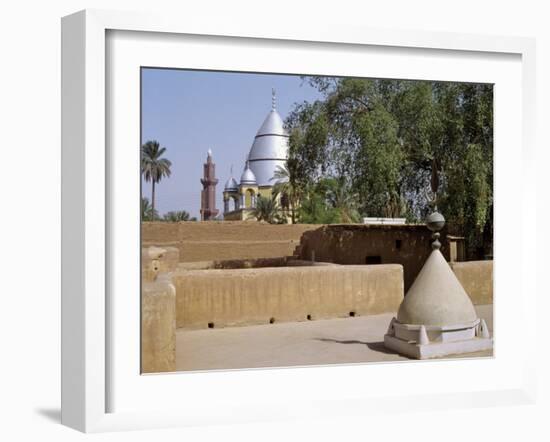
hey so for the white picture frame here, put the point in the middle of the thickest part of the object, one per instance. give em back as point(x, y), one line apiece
point(87, 319)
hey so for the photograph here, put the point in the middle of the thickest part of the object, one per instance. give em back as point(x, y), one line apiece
point(275, 221)
point(303, 220)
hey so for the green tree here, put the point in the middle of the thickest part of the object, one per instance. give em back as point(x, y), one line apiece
point(378, 162)
point(153, 166)
point(469, 204)
point(308, 143)
point(340, 197)
point(383, 137)
point(467, 164)
point(266, 209)
point(360, 134)
point(288, 186)
point(147, 213)
point(177, 216)
point(329, 201)
point(315, 210)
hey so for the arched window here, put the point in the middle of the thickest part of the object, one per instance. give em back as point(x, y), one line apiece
point(231, 203)
point(249, 198)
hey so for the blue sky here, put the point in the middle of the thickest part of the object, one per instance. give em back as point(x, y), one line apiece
point(189, 112)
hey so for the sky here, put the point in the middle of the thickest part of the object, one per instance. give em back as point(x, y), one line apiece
point(189, 112)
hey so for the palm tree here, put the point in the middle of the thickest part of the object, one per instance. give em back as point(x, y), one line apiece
point(153, 167)
point(177, 216)
point(343, 200)
point(266, 209)
point(396, 206)
point(147, 211)
point(288, 187)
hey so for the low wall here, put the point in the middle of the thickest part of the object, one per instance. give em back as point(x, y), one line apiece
point(284, 261)
point(158, 309)
point(156, 260)
point(191, 251)
point(222, 231)
point(408, 245)
point(477, 279)
point(218, 298)
point(158, 325)
point(224, 240)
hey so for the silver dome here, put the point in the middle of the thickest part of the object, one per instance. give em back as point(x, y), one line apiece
point(269, 149)
point(231, 185)
point(272, 125)
point(248, 176)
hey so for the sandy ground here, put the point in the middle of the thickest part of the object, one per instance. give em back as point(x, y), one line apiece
point(332, 341)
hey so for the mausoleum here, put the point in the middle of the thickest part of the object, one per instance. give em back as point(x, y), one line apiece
point(268, 153)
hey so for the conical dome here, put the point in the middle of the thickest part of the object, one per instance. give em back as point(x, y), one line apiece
point(269, 149)
point(248, 176)
point(436, 297)
point(272, 125)
point(231, 184)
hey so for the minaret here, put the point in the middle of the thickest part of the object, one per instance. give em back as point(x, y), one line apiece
point(208, 193)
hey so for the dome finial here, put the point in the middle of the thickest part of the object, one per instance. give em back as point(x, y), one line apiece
point(435, 220)
point(231, 171)
point(273, 99)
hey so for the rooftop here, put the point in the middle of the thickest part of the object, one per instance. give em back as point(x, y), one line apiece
point(321, 342)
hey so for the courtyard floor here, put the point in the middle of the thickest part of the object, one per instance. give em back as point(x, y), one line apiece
point(320, 342)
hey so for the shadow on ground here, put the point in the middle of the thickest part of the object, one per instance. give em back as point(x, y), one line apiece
point(374, 346)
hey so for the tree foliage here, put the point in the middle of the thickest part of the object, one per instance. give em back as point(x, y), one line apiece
point(147, 213)
point(380, 139)
point(267, 209)
point(177, 216)
point(153, 166)
point(329, 201)
point(289, 187)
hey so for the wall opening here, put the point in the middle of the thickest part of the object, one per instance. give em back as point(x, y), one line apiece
point(249, 199)
point(375, 259)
